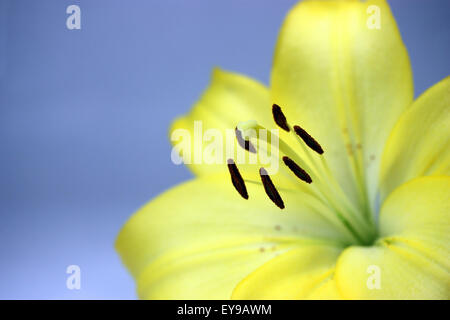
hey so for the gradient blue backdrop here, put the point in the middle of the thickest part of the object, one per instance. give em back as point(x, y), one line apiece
point(84, 117)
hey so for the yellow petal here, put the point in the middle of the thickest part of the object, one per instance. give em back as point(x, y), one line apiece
point(417, 215)
point(326, 291)
point(419, 145)
point(198, 240)
point(293, 275)
point(231, 98)
point(345, 82)
point(412, 259)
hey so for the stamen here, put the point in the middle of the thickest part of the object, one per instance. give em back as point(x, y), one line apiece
point(310, 141)
point(236, 179)
point(279, 117)
point(270, 189)
point(247, 145)
point(297, 170)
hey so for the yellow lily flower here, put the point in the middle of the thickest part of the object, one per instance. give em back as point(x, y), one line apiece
point(374, 222)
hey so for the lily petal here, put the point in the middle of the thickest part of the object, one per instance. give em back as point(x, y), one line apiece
point(419, 145)
point(345, 83)
point(200, 239)
point(328, 290)
point(293, 275)
point(413, 254)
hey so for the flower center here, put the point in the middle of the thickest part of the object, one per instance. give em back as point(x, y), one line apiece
point(319, 176)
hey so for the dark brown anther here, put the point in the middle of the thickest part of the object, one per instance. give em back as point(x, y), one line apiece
point(270, 189)
point(310, 141)
point(236, 179)
point(297, 170)
point(247, 145)
point(279, 117)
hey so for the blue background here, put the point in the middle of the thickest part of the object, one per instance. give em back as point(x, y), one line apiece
point(84, 116)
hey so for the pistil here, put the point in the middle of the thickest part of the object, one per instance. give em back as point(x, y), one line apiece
point(323, 182)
